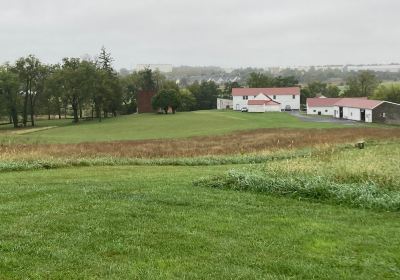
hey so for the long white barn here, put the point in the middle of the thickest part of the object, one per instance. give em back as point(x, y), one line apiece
point(268, 99)
point(357, 109)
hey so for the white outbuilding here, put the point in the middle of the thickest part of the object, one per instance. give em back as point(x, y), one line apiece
point(321, 106)
point(223, 103)
point(355, 109)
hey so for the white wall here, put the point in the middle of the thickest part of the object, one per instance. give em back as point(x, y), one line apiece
point(256, 109)
point(224, 103)
point(368, 115)
point(287, 100)
point(336, 112)
point(353, 114)
point(325, 111)
point(239, 102)
point(273, 108)
point(263, 108)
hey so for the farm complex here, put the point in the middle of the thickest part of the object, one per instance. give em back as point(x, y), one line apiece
point(357, 109)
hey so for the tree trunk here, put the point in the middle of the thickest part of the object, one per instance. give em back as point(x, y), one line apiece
point(98, 114)
point(32, 110)
point(75, 108)
point(25, 110)
point(14, 116)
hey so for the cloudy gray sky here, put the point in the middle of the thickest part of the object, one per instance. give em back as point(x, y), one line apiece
point(227, 33)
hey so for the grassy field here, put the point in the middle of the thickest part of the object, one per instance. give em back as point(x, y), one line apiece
point(152, 126)
point(135, 210)
point(142, 223)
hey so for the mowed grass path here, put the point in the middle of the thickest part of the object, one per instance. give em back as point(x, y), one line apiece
point(152, 126)
point(143, 223)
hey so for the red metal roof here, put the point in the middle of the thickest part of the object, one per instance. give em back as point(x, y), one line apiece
point(328, 102)
point(322, 102)
point(262, 102)
point(266, 91)
point(358, 103)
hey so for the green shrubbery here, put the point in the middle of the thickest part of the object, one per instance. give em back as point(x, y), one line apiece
point(318, 188)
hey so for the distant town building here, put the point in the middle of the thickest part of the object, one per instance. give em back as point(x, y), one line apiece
point(164, 68)
point(393, 68)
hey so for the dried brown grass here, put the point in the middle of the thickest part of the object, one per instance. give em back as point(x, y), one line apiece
point(261, 140)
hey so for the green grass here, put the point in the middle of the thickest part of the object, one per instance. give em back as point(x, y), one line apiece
point(143, 223)
point(152, 126)
point(378, 163)
point(365, 195)
point(150, 222)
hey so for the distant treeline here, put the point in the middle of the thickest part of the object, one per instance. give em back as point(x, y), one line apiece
point(189, 74)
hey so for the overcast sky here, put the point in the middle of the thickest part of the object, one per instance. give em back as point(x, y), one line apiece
point(228, 33)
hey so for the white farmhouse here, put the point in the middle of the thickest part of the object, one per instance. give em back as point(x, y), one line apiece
point(274, 99)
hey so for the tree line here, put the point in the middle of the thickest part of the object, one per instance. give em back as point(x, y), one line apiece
point(91, 89)
point(29, 88)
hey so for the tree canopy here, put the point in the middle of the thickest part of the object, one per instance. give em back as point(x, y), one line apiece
point(362, 84)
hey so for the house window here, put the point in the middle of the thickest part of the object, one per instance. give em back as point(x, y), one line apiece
point(294, 96)
point(314, 111)
point(383, 115)
point(245, 97)
point(274, 97)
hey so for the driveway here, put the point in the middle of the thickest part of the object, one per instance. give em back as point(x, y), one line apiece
point(321, 119)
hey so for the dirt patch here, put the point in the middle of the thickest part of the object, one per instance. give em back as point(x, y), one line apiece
point(236, 143)
point(28, 130)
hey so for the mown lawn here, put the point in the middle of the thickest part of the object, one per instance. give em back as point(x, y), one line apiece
point(152, 126)
point(152, 223)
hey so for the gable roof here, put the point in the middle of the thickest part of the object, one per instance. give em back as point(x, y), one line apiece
point(328, 101)
point(322, 102)
point(358, 103)
point(266, 91)
point(262, 102)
